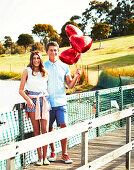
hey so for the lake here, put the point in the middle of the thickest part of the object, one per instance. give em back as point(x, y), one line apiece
point(9, 94)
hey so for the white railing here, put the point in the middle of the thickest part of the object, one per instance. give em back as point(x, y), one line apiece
point(9, 152)
point(126, 149)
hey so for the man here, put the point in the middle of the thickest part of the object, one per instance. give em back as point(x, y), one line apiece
point(58, 74)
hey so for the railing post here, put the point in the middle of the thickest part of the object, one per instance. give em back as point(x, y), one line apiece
point(128, 139)
point(20, 108)
point(10, 164)
point(84, 148)
point(97, 112)
point(121, 102)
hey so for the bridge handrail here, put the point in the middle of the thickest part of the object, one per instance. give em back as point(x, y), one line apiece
point(9, 152)
point(101, 161)
point(101, 92)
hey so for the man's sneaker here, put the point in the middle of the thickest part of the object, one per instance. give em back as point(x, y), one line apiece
point(46, 162)
point(39, 163)
point(66, 159)
point(52, 158)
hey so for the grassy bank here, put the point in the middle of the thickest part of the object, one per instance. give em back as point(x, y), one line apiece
point(123, 71)
point(10, 75)
point(115, 53)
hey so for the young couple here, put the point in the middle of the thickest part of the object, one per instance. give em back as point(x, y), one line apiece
point(46, 98)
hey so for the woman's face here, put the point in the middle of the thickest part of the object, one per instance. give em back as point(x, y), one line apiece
point(36, 60)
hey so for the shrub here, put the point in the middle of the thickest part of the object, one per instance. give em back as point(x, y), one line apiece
point(10, 75)
point(3, 55)
point(1, 48)
point(19, 50)
point(82, 78)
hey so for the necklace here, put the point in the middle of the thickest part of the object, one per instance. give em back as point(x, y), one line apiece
point(35, 73)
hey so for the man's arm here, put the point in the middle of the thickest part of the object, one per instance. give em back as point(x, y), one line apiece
point(71, 82)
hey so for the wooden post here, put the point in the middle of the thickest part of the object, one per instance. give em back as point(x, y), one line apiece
point(84, 148)
point(87, 74)
point(10, 164)
point(10, 67)
point(20, 108)
point(128, 139)
point(97, 112)
point(121, 102)
point(98, 71)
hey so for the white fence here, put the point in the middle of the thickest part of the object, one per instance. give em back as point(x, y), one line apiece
point(9, 152)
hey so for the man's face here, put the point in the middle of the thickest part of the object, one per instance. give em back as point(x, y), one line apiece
point(53, 53)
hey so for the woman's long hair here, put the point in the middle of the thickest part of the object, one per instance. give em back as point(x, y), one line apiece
point(41, 67)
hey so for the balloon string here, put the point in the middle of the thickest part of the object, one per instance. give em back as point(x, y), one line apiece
point(79, 78)
point(81, 62)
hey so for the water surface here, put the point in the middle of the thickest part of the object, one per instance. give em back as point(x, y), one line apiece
point(9, 94)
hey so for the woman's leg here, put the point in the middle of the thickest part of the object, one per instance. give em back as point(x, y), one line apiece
point(36, 129)
point(44, 129)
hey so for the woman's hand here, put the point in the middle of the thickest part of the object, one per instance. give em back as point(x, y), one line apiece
point(30, 104)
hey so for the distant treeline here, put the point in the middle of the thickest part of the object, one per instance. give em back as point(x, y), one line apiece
point(100, 20)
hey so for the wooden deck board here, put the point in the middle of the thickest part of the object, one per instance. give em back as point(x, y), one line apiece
point(97, 147)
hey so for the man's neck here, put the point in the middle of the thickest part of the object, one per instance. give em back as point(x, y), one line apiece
point(53, 61)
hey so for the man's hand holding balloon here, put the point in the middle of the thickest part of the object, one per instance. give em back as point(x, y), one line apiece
point(78, 73)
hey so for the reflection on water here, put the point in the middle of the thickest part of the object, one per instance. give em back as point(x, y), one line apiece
point(9, 94)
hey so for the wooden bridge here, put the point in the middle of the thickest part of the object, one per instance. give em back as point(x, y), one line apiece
point(96, 148)
point(111, 151)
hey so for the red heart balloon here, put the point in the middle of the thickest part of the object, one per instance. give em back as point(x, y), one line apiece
point(80, 43)
point(73, 30)
point(69, 56)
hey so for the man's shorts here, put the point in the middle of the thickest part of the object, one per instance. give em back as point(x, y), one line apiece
point(59, 114)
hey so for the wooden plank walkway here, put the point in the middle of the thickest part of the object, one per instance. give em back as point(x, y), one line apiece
point(97, 147)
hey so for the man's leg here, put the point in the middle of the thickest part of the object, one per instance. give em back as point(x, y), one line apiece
point(52, 144)
point(61, 117)
point(64, 141)
point(52, 157)
point(65, 156)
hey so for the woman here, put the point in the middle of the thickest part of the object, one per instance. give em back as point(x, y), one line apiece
point(34, 79)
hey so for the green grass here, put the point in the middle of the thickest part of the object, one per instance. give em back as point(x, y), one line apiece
point(115, 53)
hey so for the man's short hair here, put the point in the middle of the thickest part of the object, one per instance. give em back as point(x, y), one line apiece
point(52, 43)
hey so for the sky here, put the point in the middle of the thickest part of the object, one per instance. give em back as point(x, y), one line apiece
point(19, 16)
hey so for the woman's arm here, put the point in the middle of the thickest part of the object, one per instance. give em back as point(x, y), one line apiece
point(21, 89)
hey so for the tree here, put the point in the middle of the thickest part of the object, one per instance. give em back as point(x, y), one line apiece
point(130, 26)
point(25, 40)
point(64, 37)
point(78, 20)
point(8, 43)
point(1, 48)
point(75, 17)
point(96, 13)
point(100, 31)
point(56, 38)
point(45, 32)
point(118, 16)
point(37, 47)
